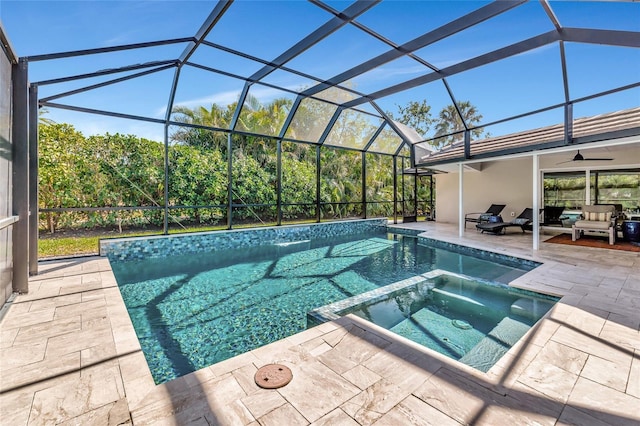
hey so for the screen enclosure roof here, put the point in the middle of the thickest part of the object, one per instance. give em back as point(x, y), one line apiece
point(335, 73)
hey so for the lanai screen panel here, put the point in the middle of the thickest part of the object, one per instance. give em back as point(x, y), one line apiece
point(353, 130)
point(587, 75)
point(310, 120)
point(345, 48)
point(515, 25)
point(276, 32)
point(435, 98)
point(387, 142)
point(621, 16)
point(206, 98)
point(402, 24)
point(264, 110)
point(231, 63)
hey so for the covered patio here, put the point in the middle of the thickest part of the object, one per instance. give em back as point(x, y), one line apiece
point(517, 180)
point(70, 356)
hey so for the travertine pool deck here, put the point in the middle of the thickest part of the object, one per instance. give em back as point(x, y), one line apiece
point(69, 355)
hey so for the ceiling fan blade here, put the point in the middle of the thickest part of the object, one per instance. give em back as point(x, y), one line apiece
point(578, 158)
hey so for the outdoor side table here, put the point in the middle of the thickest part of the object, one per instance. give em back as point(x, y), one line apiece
point(631, 231)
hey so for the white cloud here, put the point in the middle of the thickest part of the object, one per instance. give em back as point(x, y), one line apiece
point(262, 93)
point(222, 99)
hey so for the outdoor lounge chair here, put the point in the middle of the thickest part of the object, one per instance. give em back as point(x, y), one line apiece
point(494, 210)
point(598, 218)
point(523, 220)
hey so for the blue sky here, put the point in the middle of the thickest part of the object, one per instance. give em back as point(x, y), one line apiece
point(267, 28)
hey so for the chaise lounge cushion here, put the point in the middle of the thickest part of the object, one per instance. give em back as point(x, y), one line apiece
point(496, 225)
point(520, 221)
point(484, 217)
point(593, 224)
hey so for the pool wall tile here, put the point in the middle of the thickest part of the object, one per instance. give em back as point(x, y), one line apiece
point(407, 231)
point(482, 254)
point(136, 248)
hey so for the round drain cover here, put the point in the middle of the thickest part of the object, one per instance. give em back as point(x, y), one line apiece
point(273, 376)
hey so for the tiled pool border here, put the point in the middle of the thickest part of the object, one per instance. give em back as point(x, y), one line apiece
point(158, 246)
point(476, 252)
point(329, 312)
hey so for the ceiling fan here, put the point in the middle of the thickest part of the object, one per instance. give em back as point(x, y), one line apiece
point(579, 157)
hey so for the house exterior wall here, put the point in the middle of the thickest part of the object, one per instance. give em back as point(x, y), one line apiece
point(509, 181)
point(500, 182)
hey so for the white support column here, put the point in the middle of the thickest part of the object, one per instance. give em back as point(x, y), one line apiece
point(587, 188)
point(460, 200)
point(536, 202)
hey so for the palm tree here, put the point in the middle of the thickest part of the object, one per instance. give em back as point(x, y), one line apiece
point(215, 117)
point(43, 121)
point(264, 119)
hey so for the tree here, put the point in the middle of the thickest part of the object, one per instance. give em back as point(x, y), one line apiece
point(60, 166)
point(42, 120)
point(197, 177)
point(264, 119)
point(298, 180)
point(416, 115)
point(449, 121)
point(216, 117)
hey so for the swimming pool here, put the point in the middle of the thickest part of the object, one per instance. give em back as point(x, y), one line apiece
point(191, 311)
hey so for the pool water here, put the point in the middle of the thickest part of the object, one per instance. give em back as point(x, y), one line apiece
point(469, 320)
point(193, 311)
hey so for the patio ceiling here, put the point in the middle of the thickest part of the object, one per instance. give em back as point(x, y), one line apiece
point(352, 64)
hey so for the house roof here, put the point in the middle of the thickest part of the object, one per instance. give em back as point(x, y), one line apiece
point(586, 129)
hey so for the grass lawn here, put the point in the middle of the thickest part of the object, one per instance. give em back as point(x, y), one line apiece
point(76, 243)
point(87, 242)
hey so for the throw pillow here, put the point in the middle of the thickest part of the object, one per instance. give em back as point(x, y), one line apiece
point(600, 217)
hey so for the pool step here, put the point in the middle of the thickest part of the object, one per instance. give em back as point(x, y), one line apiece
point(496, 344)
point(531, 308)
point(473, 299)
point(438, 333)
point(508, 276)
point(472, 291)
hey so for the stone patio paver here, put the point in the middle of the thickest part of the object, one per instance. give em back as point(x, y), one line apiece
point(69, 355)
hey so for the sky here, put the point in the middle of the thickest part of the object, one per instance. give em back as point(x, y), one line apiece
point(265, 29)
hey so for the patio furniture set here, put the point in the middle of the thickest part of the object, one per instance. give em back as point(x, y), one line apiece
point(599, 218)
